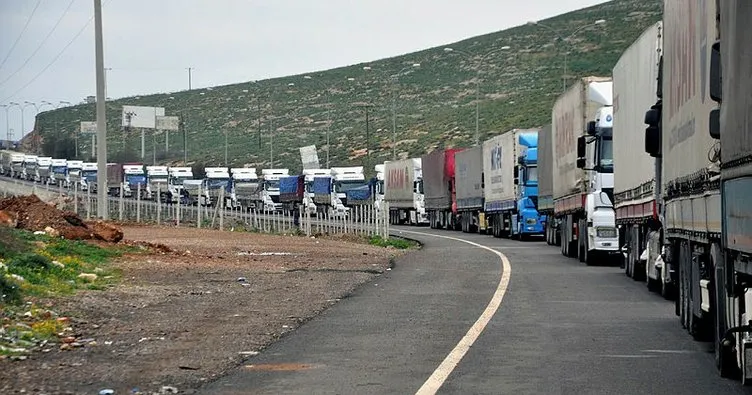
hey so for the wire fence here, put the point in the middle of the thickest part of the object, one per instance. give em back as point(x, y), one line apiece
point(364, 219)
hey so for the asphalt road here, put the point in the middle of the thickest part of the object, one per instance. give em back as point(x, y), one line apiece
point(562, 328)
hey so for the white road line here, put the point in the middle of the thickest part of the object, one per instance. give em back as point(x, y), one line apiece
point(439, 376)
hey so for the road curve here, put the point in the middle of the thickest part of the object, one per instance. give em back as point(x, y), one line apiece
point(561, 328)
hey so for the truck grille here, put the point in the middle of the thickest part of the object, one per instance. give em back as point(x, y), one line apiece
point(606, 232)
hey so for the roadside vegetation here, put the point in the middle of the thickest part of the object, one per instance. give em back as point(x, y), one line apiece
point(35, 268)
point(394, 242)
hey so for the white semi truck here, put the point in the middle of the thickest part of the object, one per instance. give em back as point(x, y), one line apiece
point(157, 179)
point(380, 169)
point(270, 193)
point(134, 178)
point(308, 196)
point(44, 170)
point(59, 172)
point(583, 178)
point(246, 188)
point(73, 177)
point(16, 165)
point(89, 176)
point(29, 167)
point(175, 184)
point(345, 178)
point(403, 190)
point(700, 128)
point(637, 175)
point(216, 185)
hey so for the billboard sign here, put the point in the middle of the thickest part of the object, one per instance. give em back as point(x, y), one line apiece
point(309, 157)
point(141, 117)
point(167, 123)
point(88, 127)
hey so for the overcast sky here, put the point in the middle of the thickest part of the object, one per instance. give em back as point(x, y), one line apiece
point(149, 44)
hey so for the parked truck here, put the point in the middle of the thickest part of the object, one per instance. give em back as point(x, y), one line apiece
point(115, 179)
point(379, 187)
point(439, 189)
point(16, 165)
point(157, 178)
point(246, 188)
point(468, 168)
point(636, 173)
point(309, 202)
point(29, 167)
point(134, 178)
point(175, 191)
point(74, 178)
point(216, 186)
point(581, 127)
point(510, 190)
point(44, 170)
point(89, 177)
point(403, 190)
point(59, 172)
point(292, 191)
point(546, 184)
point(270, 193)
point(344, 178)
point(700, 128)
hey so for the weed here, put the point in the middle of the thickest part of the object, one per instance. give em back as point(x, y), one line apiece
point(393, 242)
point(10, 293)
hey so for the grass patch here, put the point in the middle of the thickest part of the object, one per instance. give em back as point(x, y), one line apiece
point(400, 244)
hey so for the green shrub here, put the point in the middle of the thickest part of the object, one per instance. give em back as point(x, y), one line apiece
point(9, 291)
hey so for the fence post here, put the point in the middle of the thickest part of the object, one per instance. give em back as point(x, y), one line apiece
point(120, 205)
point(221, 207)
point(180, 200)
point(88, 202)
point(75, 199)
point(138, 205)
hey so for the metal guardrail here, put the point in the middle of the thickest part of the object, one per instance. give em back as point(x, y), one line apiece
point(365, 220)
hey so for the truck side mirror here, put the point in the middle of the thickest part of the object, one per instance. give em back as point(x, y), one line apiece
point(653, 131)
point(591, 128)
point(716, 78)
point(516, 175)
point(482, 180)
point(659, 88)
point(581, 162)
point(581, 147)
point(714, 123)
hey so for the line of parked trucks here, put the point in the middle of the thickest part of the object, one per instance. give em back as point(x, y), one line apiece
point(616, 175)
point(651, 166)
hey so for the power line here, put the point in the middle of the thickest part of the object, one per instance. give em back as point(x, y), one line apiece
point(40, 44)
point(20, 34)
point(59, 54)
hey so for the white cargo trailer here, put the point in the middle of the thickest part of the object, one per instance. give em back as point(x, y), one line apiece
point(635, 90)
point(403, 190)
point(468, 170)
point(581, 126)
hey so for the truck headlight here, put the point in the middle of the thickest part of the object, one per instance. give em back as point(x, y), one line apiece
point(605, 232)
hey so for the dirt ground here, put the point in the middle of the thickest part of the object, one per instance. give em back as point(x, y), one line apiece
point(185, 317)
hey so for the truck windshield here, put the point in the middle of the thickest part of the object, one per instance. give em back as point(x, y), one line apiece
point(532, 174)
point(309, 186)
point(214, 183)
point(606, 155)
point(157, 178)
point(178, 180)
point(418, 186)
point(271, 184)
point(89, 174)
point(344, 186)
point(135, 179)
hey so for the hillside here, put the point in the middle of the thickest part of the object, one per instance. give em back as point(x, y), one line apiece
point(435, 101)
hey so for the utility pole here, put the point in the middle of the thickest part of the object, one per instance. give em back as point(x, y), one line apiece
point(185, 139)
point(368, 141)
point(189, 77)
point(102, 209)
point(271, 144)
point(258, 103)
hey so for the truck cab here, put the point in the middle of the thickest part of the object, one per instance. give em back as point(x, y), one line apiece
point(600, 231)
point(245, 187)
point(17, 165)
point(379, 187)
point(270, 193)
point(216, 181)
point(88, 177)
point(59, 172)
point(310, 175)
point(134, 178)
point(29, 167)
point(175, 182)
point(73, 175)
point(44, 169)
point(157, 179)
point(528, 221)
point(344, 178)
